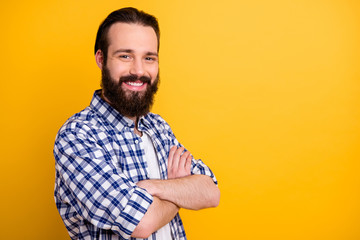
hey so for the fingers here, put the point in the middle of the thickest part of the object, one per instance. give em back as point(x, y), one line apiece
point(176, 158)
point(171, 157)
point(179, 163)
point(188, 163)
point(183, 159)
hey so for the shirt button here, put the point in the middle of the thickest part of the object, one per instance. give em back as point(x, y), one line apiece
point(136, 141)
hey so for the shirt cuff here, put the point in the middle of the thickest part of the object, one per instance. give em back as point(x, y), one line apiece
point(133, 212)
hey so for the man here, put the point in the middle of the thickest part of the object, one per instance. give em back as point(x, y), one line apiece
point(120, 172)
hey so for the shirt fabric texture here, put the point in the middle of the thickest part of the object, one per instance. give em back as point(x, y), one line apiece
point(98, 161)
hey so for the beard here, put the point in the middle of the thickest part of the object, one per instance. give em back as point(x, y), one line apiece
point(129, 103)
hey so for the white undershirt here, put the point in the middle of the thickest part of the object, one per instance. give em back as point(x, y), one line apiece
point(163, 233)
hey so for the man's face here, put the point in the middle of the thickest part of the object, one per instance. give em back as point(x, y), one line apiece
point(130, 75)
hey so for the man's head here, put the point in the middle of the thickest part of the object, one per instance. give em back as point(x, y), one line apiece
point(124, 15)
point(126, 50)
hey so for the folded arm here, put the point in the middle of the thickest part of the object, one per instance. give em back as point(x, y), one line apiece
point(180, 190)
point(183, 189)
point(158, 214)
point(192, 192)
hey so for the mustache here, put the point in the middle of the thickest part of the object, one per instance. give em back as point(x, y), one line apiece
point(133, 78)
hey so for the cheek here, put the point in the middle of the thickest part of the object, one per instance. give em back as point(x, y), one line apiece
point(116, 71)
point(154, 72)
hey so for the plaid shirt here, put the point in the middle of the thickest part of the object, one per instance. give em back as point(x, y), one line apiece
point(99, 161)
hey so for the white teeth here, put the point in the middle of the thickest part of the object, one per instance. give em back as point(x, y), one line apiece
point(138, 84)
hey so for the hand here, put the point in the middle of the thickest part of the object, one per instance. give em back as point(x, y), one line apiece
point(179, 165)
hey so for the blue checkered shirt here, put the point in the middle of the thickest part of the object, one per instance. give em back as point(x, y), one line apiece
point(98, 161)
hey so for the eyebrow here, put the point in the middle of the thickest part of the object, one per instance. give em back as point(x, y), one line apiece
point(132, 51)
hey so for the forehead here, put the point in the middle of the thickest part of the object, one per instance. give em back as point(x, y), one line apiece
point(132, 36)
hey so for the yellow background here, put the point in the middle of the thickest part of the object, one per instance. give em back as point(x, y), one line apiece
point(267, 93)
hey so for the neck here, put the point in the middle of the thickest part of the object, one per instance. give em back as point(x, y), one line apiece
point(136, 131)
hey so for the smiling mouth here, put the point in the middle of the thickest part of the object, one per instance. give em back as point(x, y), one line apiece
point(135, 84)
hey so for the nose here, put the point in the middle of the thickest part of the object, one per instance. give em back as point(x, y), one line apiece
point(137, 68)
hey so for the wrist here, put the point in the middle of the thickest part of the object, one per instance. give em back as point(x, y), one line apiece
point(156, 188)
point(151, 186)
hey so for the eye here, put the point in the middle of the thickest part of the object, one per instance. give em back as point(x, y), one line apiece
point(124, 56)
point(150, 59)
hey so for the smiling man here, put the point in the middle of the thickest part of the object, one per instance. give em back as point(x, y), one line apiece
point(120, 171)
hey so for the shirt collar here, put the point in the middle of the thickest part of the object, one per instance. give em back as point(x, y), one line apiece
point(144, 122)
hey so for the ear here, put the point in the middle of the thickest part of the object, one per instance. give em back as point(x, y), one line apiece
point(99, 58)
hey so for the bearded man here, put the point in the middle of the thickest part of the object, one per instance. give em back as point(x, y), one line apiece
point(120, 171)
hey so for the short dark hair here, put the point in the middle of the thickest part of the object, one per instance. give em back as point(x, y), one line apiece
point(124, 15)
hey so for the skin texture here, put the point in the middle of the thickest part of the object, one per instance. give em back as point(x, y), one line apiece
point(133, 51)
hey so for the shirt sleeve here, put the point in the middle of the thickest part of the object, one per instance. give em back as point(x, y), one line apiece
point(99, 191)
